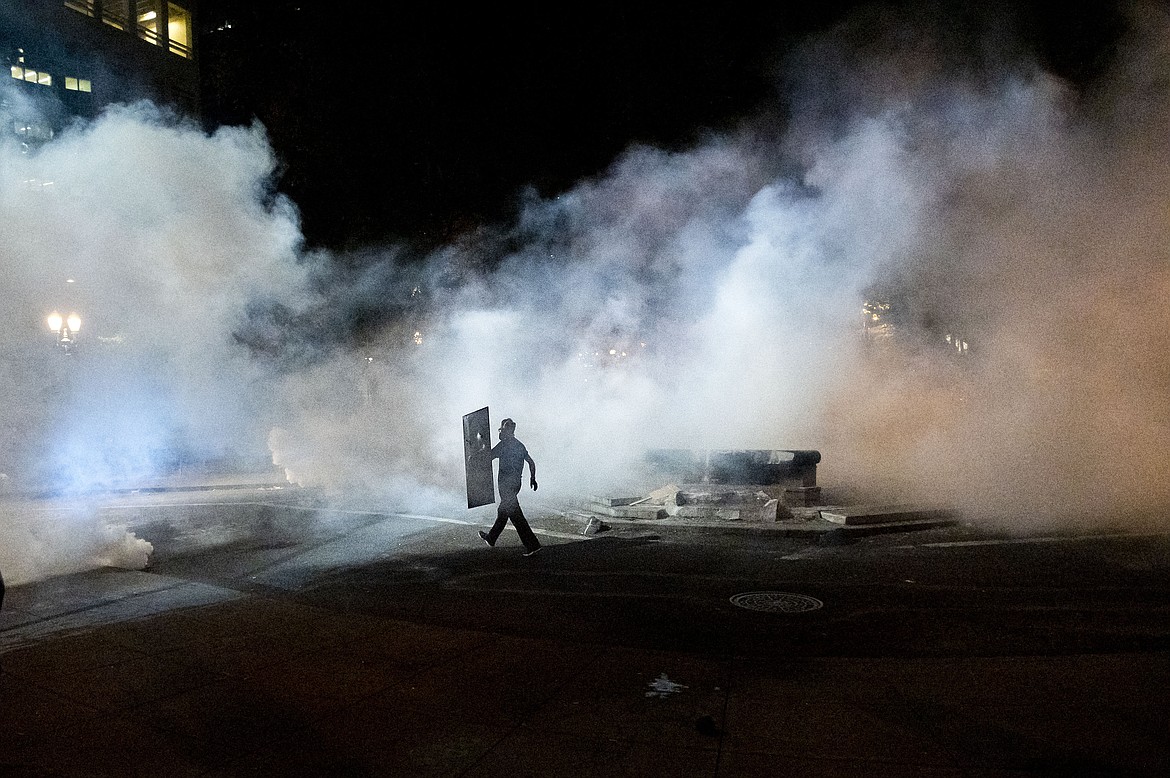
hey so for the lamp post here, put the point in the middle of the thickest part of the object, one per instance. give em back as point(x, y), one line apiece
point(65, 329)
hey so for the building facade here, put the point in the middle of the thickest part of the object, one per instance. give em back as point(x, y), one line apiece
point(70, 58)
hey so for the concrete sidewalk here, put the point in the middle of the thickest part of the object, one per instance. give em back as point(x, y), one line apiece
point(127, 673)
point(196, 480)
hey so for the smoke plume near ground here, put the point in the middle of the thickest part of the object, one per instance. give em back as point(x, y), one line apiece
point(994, 204)
point(997, 205)
point(158, 236)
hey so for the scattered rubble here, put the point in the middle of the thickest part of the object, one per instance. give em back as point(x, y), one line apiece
point(594, 526)
point(767, 488)
point(708, 501)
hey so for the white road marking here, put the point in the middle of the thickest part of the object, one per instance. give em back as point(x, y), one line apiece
point(385, 514)
point(442, 519)
point(535, 530)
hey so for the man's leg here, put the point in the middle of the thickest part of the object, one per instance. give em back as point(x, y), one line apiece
point(502, 514)
point(527, 536)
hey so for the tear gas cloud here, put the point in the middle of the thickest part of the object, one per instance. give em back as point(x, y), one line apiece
point(993, 205)
point(996, 205)
point(158, 236)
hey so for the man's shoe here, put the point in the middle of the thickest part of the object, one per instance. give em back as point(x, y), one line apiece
point(484, 537)
point(533, 551)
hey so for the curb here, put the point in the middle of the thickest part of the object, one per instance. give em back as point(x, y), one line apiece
point(812, 528)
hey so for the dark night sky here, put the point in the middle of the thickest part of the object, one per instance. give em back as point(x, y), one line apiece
point(420, 124)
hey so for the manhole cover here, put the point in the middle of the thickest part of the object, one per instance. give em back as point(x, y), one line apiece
point(776, 602)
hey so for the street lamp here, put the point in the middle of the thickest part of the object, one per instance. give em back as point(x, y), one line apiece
point(65, 328)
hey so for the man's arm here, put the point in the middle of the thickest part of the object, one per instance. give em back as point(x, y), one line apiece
point(532, 470)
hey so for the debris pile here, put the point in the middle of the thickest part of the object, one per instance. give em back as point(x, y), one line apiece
point(765, 487)
point(752, 503)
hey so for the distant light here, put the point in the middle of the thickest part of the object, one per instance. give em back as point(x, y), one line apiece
point(71, 323)
point(70, 281)
point(148, 16)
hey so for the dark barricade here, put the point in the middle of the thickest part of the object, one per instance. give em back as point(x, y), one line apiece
point(761, 466)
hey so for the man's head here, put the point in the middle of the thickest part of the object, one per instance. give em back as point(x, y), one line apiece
point(507, 429)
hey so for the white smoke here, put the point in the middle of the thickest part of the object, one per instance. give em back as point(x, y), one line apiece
point(159, 236)
point(1001, 206)
point(1040, 233)
point(43, 539)
point(998, 206)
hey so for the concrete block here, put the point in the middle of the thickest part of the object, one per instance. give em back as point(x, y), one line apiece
point(613, 502)
point(862, 515)
point(719, 497)
point(802, 496)
point(775, 510)
point(705, 512)
point(595, 526)
point(663, 494)
point(628, 511)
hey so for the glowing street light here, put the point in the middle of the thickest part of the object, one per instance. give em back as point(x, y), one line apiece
point(65, 328)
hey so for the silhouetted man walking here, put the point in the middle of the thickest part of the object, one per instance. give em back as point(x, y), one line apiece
point(512, 455)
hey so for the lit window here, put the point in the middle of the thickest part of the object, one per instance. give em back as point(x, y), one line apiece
point(148, 14)
point(31, 76)
point(71, 83)
point(19, 71)
point(179, 30)
point(116, 13)
point(83, 85)
point(81, 6)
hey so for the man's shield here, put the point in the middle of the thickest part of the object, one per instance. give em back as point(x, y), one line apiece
point(477, 455)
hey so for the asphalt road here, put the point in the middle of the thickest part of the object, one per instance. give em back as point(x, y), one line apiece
point(276, 634)
point(946, 592)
